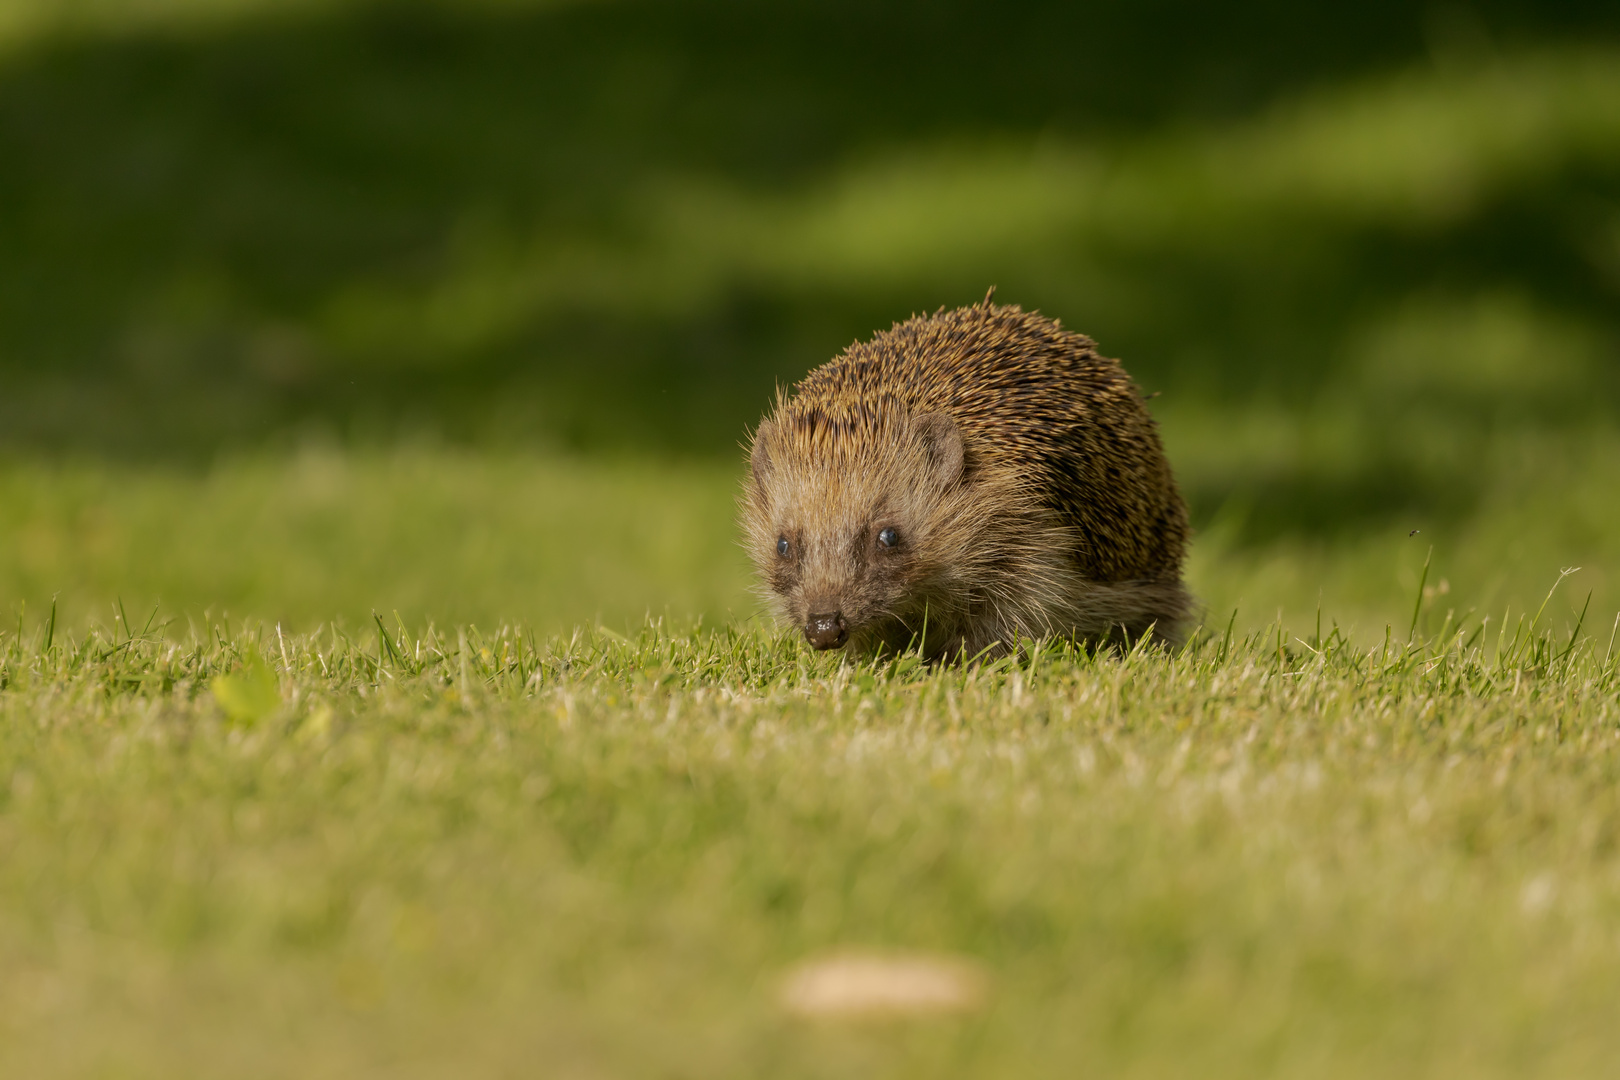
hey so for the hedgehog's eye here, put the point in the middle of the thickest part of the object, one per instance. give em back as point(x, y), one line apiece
point(888, 538)
point(782, 546)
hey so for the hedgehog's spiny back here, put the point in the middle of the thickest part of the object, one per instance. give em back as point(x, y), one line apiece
point(1028, 395)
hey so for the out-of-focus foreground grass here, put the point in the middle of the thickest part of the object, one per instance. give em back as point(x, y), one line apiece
point(474, 855)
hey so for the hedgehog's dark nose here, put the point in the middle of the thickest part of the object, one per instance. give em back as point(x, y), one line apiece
point(826, 631)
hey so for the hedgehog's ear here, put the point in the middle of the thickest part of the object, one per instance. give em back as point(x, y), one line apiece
point(943, 440)
point(759, 458)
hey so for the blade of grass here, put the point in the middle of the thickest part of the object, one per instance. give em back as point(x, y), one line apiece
point(1417, 606)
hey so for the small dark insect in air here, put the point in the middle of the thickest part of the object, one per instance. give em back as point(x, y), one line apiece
point(1414, 532)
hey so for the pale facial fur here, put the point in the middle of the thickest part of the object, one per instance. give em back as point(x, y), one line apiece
point(887, 529)
point(842, 545)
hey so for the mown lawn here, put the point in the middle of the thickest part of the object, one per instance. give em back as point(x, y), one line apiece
point(436, 533)
point(454, 313)
point(502, 854)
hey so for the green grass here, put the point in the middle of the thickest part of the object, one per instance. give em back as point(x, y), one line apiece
point(244, 833)
point(1295, 512)
point(486, 854)
point(309, 309)
point(616, 225)
point(426, 532)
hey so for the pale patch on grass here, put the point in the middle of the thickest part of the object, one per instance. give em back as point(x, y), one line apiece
point(866, 986)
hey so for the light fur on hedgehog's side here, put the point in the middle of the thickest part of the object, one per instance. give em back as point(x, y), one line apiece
point(1033, 491)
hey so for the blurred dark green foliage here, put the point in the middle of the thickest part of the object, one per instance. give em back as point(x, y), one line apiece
point(615, 226)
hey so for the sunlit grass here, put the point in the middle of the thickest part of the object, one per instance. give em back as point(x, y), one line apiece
point(451, 849)
point(364, 759)
point(1293, 509)
point(1317, 509)
point(321, 534)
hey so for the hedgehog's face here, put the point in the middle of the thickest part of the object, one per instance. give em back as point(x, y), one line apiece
point(842, 521)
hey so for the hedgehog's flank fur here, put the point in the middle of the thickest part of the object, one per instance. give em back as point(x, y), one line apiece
point(1020, 470)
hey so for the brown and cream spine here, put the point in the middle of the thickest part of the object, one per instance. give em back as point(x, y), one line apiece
point(964, 480)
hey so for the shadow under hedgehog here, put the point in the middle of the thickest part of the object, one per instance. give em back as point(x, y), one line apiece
point(960, 482)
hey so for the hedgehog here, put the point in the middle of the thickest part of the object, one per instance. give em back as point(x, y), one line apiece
point(964, 482)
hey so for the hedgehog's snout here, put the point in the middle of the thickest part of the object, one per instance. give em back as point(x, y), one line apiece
point(826, 631)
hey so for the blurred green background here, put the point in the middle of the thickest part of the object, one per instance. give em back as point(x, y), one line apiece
point(461, 309)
